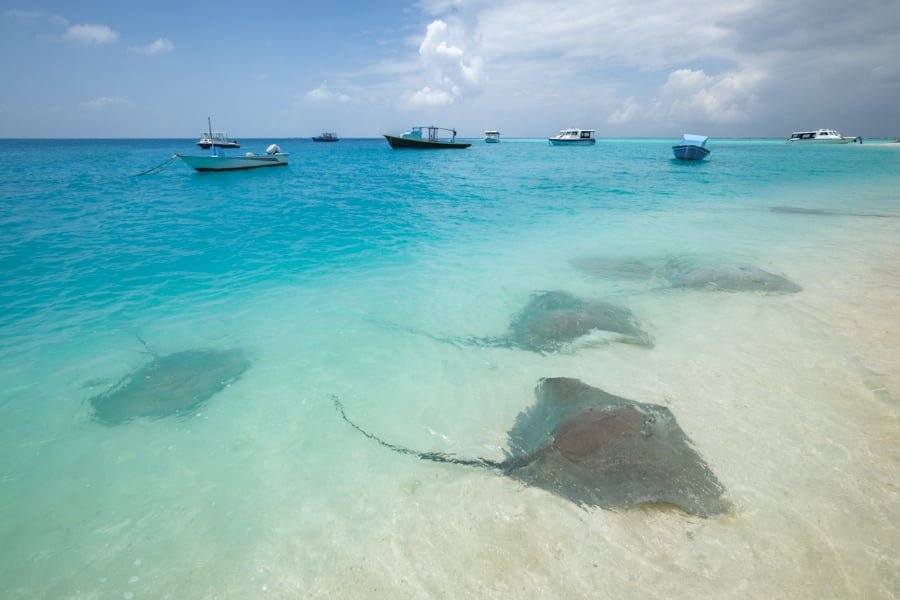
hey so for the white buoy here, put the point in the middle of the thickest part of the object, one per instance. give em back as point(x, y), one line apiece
point(273, 149)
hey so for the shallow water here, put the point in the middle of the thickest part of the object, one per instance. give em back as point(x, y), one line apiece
point(322, 270)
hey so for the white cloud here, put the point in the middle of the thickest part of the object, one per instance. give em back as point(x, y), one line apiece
point(90, 34)
point(159, 46)
point(324, 94)
point(629, 112)
point(449, 71)
point(103, 103)
point(690, 95)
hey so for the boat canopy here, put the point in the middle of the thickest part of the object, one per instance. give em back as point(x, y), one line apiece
point(691, 139)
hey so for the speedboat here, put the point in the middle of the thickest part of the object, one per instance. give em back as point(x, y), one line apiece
point(829, 136)
point(218, 161)
point(218, 139)
point(492, 136)
point(692, 147)
point(425, 137)
point(326, 137)
point(574, 137)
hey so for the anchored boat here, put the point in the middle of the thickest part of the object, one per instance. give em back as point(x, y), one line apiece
point(574, 137)
point(692, 147)
point(218, 139)
point(218, 161)
point(425, 137)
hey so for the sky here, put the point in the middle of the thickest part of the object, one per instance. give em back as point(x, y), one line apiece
point(626, 68)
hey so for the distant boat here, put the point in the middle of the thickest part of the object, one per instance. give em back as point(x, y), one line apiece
point(425, 137)
point(326, 137)
point(492, 136)
point(218, 139)
point(574, 137)
point(692, 147)
point(218, 161)
point(828, 136)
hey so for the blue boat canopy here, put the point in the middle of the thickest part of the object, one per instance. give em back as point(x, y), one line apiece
point(691, 139)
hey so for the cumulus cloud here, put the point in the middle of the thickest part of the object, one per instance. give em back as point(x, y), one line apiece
point(90, 34)
point(691, 95)
point(324, 94)
point(103, 103)
point(159, 46)
point(450, 72)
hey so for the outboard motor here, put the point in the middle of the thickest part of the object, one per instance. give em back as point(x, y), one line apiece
point(273, 149)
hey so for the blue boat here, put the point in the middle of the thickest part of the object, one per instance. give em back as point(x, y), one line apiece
point(692, 147)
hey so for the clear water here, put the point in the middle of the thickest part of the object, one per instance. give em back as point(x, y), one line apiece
point(322, 269)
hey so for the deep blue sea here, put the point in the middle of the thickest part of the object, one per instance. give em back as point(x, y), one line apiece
point(379, 277)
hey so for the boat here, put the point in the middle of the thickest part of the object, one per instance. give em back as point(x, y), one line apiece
point(219, 139)
point(574, 137)
point(218, 161)
point(692, 147)
point(326, 137)
point(828, 136)
point(492, 136)
point(427, 137)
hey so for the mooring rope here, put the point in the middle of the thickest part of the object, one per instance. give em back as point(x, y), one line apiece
point(433, 456)
point(158, 167)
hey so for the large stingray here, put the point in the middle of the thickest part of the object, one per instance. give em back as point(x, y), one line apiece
point(684, 273)
point(597, 449)
point(174, 384)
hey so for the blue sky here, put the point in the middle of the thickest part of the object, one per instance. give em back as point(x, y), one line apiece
point(525, 67)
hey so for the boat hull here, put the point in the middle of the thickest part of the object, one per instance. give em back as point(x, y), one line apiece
point(587, 142)
point(689, 152)
point(397, 142)
point(491, 140)
point(235, 163)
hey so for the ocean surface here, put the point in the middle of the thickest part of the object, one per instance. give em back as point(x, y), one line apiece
point(375, 277)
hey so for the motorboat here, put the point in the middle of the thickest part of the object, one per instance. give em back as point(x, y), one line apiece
point(215, 139)
point(492, 136)
point(326, 137)
point(574, 137)
point(218, 161)
point(692, 147)
point(829, 136)
point(425, 137)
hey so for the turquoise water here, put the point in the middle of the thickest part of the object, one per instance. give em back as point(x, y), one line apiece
point(326, 273)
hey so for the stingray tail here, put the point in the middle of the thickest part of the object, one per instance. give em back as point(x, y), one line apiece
point(432, 456)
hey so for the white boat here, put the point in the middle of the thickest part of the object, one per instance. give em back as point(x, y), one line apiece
point(492, 136)
point(828, 136)
point(574, 137)
point(215, 139)
point(217, 161)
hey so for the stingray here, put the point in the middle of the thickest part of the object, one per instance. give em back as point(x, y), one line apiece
point(736, 277)
point(613, 268)
point(598, 450)
point(797, 210)
point(174, 384)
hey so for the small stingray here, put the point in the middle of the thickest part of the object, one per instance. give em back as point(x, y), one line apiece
point(552, 319)
point(597, 449)
point(175, 384)
point(797, 210)
point(729, 277)
point(613, 268)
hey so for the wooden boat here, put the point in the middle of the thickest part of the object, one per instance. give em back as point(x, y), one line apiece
point(692, 147)
point(217, 161)
point(218, 139)
point(425, 137)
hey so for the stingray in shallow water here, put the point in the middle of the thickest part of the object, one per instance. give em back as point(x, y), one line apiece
point(683, 273)
point(174, 384)
point(597, 449)
point(822, 212)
